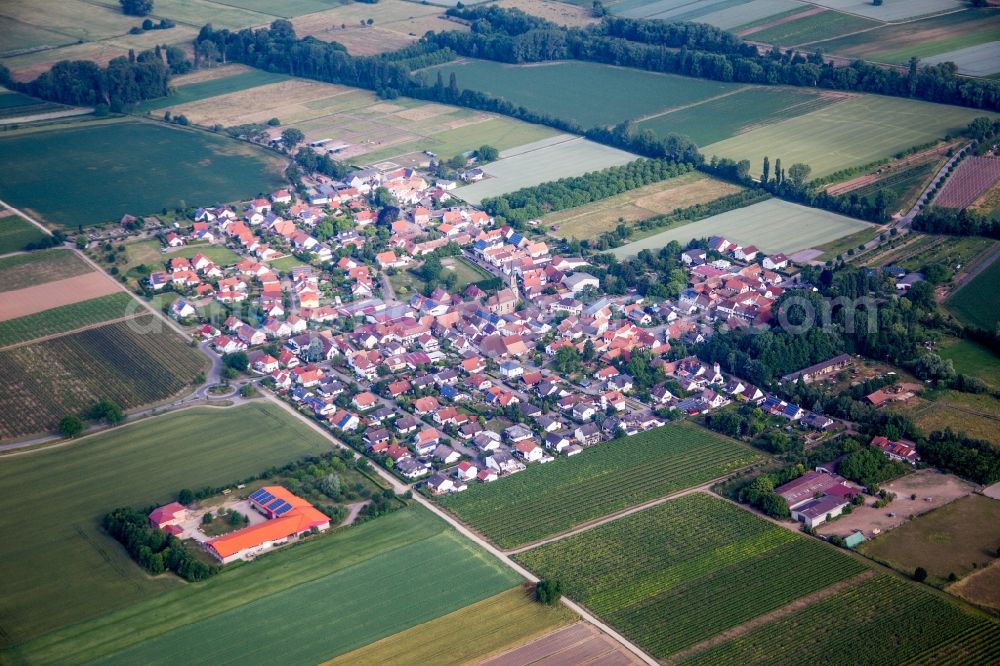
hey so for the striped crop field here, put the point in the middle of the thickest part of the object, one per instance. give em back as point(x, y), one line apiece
point(548, 499)
point(681, 572)
point(44, 381)
point(884, 621)
point(65, 318)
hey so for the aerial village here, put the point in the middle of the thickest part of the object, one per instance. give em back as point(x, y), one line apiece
point(460, 384)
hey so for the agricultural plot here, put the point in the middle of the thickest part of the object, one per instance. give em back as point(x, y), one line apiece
point(893, 10)
point(954, 539)
point(363, 126)
point(773, 226)
point(724, 14)
point(397, 23)
point(973, 178)
point(547, 499)
point(855, 132)
point(133, 363)
point(327, 582)
point(552, 159)
point(903, 185)
point(62, 569)
point(26, 270)
point(193, 92)
point(813, 27)
point(499, 131)
point(558, 12)
point(981, 588)
point(974, 415)
point(66, 318)
point(978, 60)
point(107, 170)
point(466, 635)
point(750, 108)
point(678, 573)
point(566, 90)
point(977, 302)
point(15, 232)
point(20, 37)
point(39, 298)
point(593, 219)
point(923, 38)
point(884, 620)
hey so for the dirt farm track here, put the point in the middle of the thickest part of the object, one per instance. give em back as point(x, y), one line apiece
point(30, 300)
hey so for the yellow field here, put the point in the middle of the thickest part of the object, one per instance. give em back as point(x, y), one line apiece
point(981, 588)
point(592, 220)
point(557, 12)
point(975, 415)
point(396, 25)
point(465, 636)
point(202, 75)
point(291, 101)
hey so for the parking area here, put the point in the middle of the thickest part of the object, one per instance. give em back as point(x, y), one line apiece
point(932, 489)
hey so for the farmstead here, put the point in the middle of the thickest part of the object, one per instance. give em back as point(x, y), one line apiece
point(287, 516)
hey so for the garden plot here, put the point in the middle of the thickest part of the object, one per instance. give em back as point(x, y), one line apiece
point(573, 157)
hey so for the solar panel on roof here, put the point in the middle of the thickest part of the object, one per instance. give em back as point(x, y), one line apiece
point(283, 510)
point(257, 493)
point(265, 498)
point(275, 504)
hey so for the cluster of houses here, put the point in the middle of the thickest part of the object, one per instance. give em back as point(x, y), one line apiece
point(455, 387)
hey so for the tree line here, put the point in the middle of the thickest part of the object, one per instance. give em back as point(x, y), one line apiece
point(509, 35)
point(536, 201)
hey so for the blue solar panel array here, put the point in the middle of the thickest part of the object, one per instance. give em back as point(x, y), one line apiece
point(275, 504)
point(283, 510)
point(262, 496)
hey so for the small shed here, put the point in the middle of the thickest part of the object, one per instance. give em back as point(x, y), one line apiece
point(854, 540)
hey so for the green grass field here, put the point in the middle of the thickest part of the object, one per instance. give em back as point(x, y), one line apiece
point(977, 302)
point(28, 270)
point(821, 26)
point(466, 271)
point(193, 92)
point(15, 233)
point(62, 569)
point(135, 362)
point(106, 170)
point(954, 539)
point(66, 318)
point(490, 626)
point(723, 14)
point(971, 358)
point(570, 90)
point(884, 620)
point(772, 225)
point(285, 264)
point(300, 605)
point(686, 570)
point(218, 254)
point(548, 499)
point(855, 132)
point(725, 117)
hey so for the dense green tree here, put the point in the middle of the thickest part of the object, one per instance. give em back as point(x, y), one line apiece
point(70, 426)
point(136, 7)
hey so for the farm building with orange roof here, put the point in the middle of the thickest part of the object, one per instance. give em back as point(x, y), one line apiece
point(288, 516)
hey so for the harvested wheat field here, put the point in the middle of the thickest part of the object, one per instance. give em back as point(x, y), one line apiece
point(40, 297)
point(592, 220)
point(557, 12)
point(290, 101)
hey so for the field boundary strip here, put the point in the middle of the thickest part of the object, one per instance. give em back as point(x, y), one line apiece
point(52, 336)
